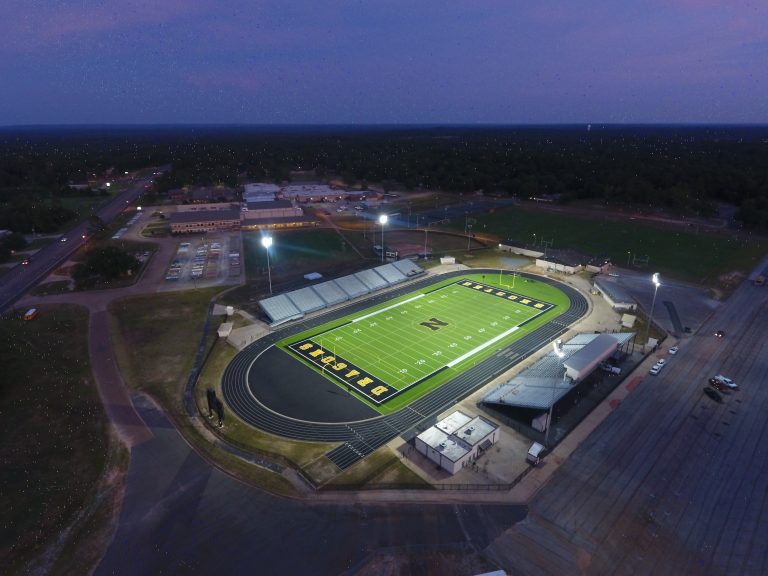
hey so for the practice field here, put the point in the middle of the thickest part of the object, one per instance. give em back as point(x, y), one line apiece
point(389, 355)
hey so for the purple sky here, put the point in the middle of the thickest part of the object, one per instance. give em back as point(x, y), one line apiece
point(415, 61)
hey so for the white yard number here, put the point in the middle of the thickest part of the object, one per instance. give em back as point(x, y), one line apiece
point(481, 330)
point(356, 331)
point(420, 362)
point(437, 353)
point(505, 317)
point(388, 318)
point(403, 370)
point(467, 337)
point(373, 324)
point(339, 338)
point(494, 323)
point(452, 345)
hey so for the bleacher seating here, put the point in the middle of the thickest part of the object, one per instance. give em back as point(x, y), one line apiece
point(391, 274)
point(408, 267)
point(352, 286)
point(280, 309)
point(296, 304)
point(330, 292)
point(306, 300)
point(371, 279)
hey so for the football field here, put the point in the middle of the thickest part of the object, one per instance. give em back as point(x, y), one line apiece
point(389, 354)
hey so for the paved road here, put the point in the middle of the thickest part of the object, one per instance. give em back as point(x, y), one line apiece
point(19, 279)
point(180, 515)
point(671, 482)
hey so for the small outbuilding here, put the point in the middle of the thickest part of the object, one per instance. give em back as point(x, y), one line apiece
point(457, 440)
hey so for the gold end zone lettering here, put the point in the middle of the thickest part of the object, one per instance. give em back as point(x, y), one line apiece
point(501, 293)
point(512, 297)
point(363, 382)
point(478, 287)
point(525, 301)
point(351, 374)
point(328, 359)
point(339, 366)
point(466, 283)
point(316, 353)
point(538, 305)
point(379, 390)
point(306, 346)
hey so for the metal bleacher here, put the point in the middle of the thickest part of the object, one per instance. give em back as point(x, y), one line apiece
point(306, 300)
point(371, 279)
point(295, 304)
point(391, 274)
point(408, 267)
point(352, 286)
point(280, 309)
point(331, 293)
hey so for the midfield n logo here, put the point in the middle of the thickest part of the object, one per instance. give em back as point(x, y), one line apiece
point(433, 324)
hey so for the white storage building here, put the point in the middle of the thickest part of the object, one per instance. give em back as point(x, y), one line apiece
point(457, 440)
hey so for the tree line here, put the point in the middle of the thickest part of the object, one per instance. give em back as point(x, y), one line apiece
point(682, 168)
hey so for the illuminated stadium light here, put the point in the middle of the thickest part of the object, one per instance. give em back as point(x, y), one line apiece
point(266, 241)
point(382, 220)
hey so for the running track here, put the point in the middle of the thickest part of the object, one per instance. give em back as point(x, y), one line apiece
point(361, 438)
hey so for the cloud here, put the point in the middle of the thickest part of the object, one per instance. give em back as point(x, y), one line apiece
point(26, 26)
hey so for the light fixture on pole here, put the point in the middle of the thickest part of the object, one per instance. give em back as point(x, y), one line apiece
point(656, 284)
point(558, 348)
point(382, 220)
point(266, 241)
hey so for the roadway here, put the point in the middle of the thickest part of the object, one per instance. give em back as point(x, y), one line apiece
point(18, 280)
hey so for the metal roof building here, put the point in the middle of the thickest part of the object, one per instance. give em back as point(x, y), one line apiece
point(544, 383)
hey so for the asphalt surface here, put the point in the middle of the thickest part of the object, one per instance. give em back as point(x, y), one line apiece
point(182, 516)
point(19, 279)
point(671, 482)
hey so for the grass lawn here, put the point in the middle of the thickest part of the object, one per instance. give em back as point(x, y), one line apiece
point(154, 358)
point(395, 352)
point(152, 355)
point(675, 252)
point(54, 430)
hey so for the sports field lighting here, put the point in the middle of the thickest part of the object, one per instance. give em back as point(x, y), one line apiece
point(266, 241)
point(557, 346)
point(656, 284)
point(382, 220)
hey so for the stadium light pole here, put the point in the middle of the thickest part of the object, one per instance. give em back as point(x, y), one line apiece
point(656, 284)
point(266, 241)
point(426, 231)
point(382, 220)
point(469, 236)
point(558, 347)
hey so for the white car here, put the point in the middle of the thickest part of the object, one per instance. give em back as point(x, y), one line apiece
point(654, 370)
point(673, 350)
point(727, 381)
point(63, 239)
point(661, 362)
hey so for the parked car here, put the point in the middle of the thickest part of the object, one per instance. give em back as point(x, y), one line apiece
point(673, 350)
point(655, 369)
point(719, 334)
point(661, 362)
point(714, 394)
point(727, 381)
point(719, 386)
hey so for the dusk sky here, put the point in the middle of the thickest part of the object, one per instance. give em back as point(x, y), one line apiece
point(415, 61)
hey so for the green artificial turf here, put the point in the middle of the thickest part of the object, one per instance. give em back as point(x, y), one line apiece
point(393, 353)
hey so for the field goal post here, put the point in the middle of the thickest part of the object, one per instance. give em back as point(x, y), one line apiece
point(503, 283)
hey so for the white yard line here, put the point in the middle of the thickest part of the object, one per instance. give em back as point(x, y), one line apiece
point(388, 308)
point(481, 347)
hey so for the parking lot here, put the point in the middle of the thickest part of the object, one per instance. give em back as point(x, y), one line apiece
point(206, 261)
